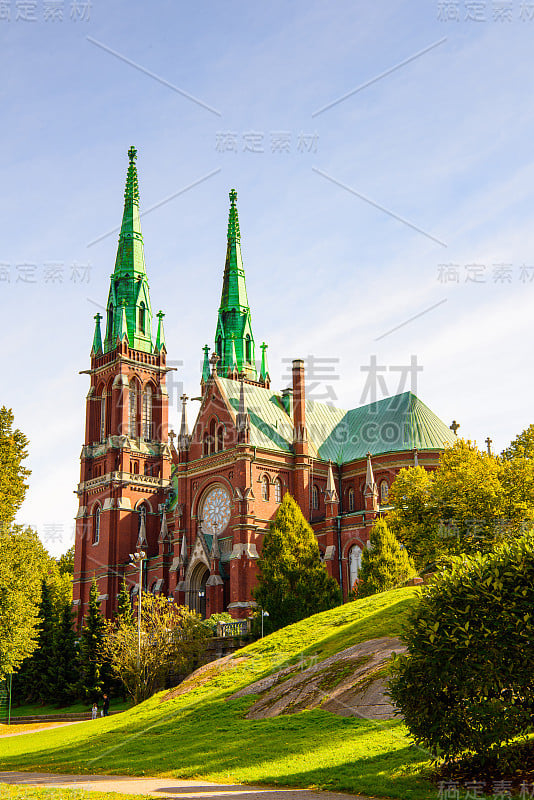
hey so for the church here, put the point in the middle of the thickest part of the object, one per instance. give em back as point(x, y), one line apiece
point(197, 504)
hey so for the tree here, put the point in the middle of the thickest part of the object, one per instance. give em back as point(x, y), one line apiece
point(23, 564)
point(466, 680)
point(63, 662)
point(92, 672)
point(292, 581)
point(37, 676)
point(386, 565)
point(124, 605)
point(66, 562)
point(13, 451)
point(522, 445)
point(172, 640)
point(460, 508)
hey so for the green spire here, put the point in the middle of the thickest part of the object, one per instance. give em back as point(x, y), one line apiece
point(234, 321)
point(160, 337)
point(264, 373)
point(129, 281)
point(96, 349)
point(206, 372)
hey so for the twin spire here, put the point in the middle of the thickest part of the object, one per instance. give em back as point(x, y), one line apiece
point(129, 311)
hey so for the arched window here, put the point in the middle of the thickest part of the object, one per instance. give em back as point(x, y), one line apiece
point(384, 492)
point(110, 322)
point(265, 488)
point(102, 424)
point(142, 316)
point(96, 525)
point(147, 413)
point(220, 438)
point(219, 347)
point(206, 444)
point(351, 499)
point(248, 349)
point(315, 497)
point(278, 490)
point(355, 561)
point(132, 409)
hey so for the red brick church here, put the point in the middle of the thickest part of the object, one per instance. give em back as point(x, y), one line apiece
point(198, 504)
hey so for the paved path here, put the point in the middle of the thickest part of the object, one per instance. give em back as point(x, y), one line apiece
point(167, 787)
point(45, 726)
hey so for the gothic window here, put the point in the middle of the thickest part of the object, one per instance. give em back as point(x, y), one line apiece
point(355, 561)
point(265, 488)
point(142, 315)
point(96, 525)
point(351, 499)
point(219, 347)
point(132, 409)
point(220, 438)
point(384, 492)
point(248, 349)
point(147, 413)
point(278, 490)
point(102, 431)
point(315, 497)
point(206, 444)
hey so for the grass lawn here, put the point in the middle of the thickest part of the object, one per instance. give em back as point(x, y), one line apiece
point(201, 734)
point(36, 710)
point(35, 793)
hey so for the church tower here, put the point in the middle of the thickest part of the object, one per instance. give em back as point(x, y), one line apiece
point(234, 341)
point(125, 460)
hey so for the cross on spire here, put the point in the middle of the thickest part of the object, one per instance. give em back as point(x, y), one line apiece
point(489, 443)
point(132, 154)
point(454, 427)
point(172, 437)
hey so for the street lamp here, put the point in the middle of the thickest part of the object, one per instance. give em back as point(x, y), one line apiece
point(137, 558)
point(263, 614)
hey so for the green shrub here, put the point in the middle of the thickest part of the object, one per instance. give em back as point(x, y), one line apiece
point(211, 622)
point(467, 680)
point(386, 565)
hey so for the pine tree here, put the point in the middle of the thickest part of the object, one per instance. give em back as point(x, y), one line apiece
point(386, 564)
point(91, 668)
point(292, 581)
point(36, 679)
point(124, 605)
point(63, 666)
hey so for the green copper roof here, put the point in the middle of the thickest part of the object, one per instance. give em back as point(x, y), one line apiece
point(234, 320)
point(129, 283)
point(394, 424)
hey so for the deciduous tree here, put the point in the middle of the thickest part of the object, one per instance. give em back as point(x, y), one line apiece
point(172, 639)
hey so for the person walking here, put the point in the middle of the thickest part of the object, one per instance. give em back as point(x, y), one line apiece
point(105, 706)
point(94, 711)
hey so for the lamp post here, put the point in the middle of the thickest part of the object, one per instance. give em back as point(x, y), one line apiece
point(137, 558)
point(263, 614)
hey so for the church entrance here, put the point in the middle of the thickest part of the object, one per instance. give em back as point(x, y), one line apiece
point(196, 592)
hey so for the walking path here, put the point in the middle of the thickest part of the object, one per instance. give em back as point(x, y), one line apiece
point(44, 726)
point(165, 788)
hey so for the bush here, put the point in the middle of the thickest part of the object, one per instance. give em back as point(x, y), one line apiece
point(386, 565)
point(466, 682)
point(211, 622)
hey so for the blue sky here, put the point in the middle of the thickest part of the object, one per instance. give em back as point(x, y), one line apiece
point(360, 219)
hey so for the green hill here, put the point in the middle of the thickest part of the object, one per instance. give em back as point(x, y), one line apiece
point(203, 734)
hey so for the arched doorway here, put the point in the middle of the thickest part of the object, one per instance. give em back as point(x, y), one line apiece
point(196, 591)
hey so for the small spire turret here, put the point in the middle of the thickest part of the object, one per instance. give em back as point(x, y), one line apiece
point(96, 349)
point(206, 364)
point(160, 337)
